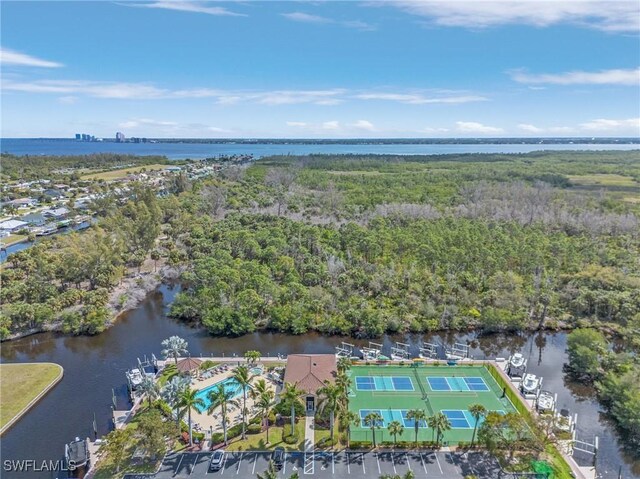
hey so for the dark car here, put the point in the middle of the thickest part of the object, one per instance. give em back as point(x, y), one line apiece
point(277, 456)
point(217, 459)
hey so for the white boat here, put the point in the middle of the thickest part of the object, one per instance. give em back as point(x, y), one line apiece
point(563, 420)
point(545, 401)
point(530, 383)
point(76, 453)
point(517, 360)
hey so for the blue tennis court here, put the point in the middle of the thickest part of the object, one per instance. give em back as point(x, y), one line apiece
point(389, 415)
point(457, 384)
point(384, 383)
point(458, 418)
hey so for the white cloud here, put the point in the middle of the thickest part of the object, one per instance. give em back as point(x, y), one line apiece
point(298, 124)
point(187, 6)
point(134, 123)
point(530, 128)
point(474, 127)
point(419, 99)
point(291, 97)
point(10, 57)
point(611, 16)
point(604, 77)
point(602, 124)
point(363, 125)
point(319, 20)
point(153, 127)
point(431, 130)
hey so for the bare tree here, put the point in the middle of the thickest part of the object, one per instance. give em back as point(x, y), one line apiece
point(281, 179)
point(214, 198)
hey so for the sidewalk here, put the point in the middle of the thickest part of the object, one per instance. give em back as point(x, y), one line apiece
point(309, 432)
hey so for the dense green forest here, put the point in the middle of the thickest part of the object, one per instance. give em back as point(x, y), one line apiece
point(364, 246)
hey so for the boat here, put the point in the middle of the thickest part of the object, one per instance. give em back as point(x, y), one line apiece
point(563, 420)
point(517, 360)
point(76, 453)
point(134, 378)
point(545, 401)
point(530, 384)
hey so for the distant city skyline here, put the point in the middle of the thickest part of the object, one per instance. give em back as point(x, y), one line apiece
point(382, 69)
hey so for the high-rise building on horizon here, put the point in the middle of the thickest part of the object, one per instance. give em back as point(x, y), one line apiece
point(120, 137)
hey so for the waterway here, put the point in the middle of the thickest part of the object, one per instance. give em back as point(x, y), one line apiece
point(94, 365)
point(179, 151)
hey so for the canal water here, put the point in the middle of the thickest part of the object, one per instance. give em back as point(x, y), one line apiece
point(94, 365)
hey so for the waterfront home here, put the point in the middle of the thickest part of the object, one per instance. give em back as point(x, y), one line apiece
point(57, 213)
point(13, 225)
point(24, 202)
point(309, 373)
point(34, 219)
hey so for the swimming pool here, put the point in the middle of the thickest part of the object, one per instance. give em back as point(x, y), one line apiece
point(229, 384)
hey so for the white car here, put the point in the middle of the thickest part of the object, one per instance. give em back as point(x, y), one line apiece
point(217, 459)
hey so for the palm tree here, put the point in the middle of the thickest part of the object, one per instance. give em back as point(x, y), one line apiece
point(477, 411)
point(291, 394)
point(258, 389)
point(243, 377)
point(252, 356)
point(344, 383)
point(344, 364)
point(265, 403)
point(348, 418)
point(270, 473)
point(373, 421)
point(221, 398)
point(189, 400)
point(417, 415)
point(440, 423)
point(149, 387)
point(170, 393)
point(331, 400)
point(174, 347)
point(395, 428)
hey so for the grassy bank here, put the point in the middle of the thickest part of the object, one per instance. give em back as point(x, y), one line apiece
point(122, 173)
point(20, 384)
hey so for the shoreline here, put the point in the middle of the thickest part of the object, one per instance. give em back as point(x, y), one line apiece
point(36, 399)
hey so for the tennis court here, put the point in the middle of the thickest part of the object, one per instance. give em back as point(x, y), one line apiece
point(393, 390)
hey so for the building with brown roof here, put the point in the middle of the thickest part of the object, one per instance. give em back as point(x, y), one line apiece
point(309, 373)
point(189, 365)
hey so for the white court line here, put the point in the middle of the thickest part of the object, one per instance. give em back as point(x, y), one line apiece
point(255, 459)
point(394, 464)
point(179, 462)
point(423, 464)
point(378, 461)
point(438, 461)
point(239, 461)
point(406, 456)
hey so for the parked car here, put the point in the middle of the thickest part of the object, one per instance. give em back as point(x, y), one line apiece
point(217, 458)
point(277, 456)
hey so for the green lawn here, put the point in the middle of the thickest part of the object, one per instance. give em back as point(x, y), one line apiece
point(122, 173)
point(391, 404)
point(21, 383)
point(602, 179)
point(258, 441)
point(13, 239)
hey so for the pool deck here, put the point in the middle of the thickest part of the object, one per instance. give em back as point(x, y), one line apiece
point(203, 422)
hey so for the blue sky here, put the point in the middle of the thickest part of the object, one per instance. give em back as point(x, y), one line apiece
point(321, 69)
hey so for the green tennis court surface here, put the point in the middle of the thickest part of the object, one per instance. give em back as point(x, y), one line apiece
point(392, 391)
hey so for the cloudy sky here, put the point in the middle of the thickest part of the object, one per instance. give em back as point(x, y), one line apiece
point(321, 69)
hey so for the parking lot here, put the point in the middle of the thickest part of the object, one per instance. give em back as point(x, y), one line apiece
point(440, 465)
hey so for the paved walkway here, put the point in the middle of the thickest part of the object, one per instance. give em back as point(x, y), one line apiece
point(309, 431)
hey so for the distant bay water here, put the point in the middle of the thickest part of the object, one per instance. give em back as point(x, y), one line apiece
point(180, 151)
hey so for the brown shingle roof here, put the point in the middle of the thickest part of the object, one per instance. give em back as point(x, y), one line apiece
point(188, 364)
point(309, 371)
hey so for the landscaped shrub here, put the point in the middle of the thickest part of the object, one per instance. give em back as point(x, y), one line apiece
point(254, 429)
point(284, 408)
point(288, 435)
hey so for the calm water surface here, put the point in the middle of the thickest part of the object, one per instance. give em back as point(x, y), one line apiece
point(177, 151)
point(95, 365)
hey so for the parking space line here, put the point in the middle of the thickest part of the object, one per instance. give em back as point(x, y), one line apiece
point(193, 466)
point(255, 459)
point(284, 467)
point(394, 464)
point(333, 463)
point(224, 462)
point(179, 462)
point(423, 464)
point(377, 460)
point(239, 462)
point(363, 469)
point(438, 461)
point(406, 456)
